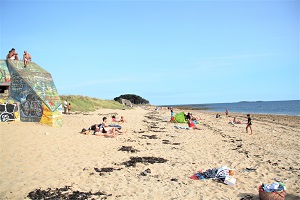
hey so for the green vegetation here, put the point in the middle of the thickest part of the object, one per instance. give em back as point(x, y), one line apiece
point(85, 104)
point(135, 99)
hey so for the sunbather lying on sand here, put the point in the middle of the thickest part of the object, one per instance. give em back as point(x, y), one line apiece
point(107, 131)
point(107, 128)
point(193, 125)
point(235, 121)
point(96, 132)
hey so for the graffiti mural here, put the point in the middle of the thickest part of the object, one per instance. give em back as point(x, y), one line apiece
point(40, 81)
point(4, 73)
point(45, 88)
point(17, 85)
point(8, 112)
point(34, 91)
point(31, 107)
point(51, 118)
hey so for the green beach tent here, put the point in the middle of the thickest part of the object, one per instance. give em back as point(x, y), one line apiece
point(180, 118)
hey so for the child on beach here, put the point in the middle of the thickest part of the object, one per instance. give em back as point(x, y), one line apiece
point(249, 123)
point(172, 116)
point(69, 108)
point(122, 119)
point(113, 118)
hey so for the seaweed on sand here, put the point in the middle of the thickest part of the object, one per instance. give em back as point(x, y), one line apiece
point(128, 149)
point(133, 160)
point(64, 193)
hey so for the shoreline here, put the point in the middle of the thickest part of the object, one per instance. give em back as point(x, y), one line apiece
point(287, 107)
point(36, 156)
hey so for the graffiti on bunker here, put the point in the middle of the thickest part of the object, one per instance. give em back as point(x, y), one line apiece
point(7, 112)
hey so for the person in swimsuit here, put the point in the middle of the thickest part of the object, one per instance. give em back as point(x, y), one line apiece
point(96, 130)
point(122, 119)
point(108, 129)
point(26, 58)
point(12, 54)
point(249, 123)
point(226, 113)
point(193, 125)
point(236, 121)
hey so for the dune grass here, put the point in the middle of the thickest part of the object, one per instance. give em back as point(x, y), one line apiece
point(85, 104)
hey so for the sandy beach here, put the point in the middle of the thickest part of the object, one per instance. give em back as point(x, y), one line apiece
point(37, 157)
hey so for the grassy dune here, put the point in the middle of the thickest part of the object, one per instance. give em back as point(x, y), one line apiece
point(84, 103)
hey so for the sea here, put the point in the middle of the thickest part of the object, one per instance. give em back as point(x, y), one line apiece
point(291, 107)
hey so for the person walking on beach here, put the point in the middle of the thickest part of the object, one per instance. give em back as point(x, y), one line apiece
point(226, 113)
point(26, 58)
point(249, 123)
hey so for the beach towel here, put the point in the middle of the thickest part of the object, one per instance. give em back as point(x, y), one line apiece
point(182, 127)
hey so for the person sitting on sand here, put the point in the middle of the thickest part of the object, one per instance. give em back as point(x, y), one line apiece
point(188, 117)
point(172, 116)
point(113, 118)
point(106, 128)
point(236, 121)
point(122, 119)
point(193, 125)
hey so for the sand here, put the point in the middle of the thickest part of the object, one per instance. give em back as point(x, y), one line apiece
point(36, 156)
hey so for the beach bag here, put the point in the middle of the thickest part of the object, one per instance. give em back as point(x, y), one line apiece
point(279, 195)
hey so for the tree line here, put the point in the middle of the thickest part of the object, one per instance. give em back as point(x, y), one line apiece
point(135, 99)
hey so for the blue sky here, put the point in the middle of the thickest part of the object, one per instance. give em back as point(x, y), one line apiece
point(168, 52)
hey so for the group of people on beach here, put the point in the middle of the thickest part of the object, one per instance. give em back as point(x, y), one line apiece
point(67, 107)
point(13, 55)
point(114, 119)
point(103, 129)
point(193, 120)
point(236, 121)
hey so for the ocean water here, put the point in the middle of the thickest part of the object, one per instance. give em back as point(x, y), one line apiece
point(259, 107)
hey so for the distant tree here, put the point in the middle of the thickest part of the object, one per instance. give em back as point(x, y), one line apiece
point(135, 99)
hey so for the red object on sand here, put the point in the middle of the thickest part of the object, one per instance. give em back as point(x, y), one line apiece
point(263, 195)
